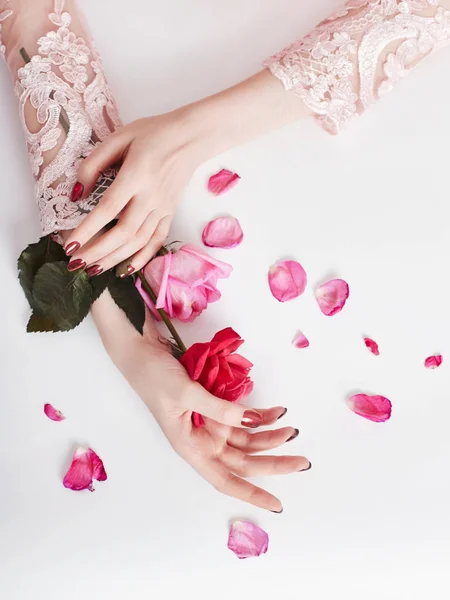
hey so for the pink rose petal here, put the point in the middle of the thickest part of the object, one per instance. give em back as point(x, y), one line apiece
point(222, 181)
point(433, 362)
point(86, 466)
point(300, 340)
point(332, 296)
point(52, 413)
point(372, 346)
point(287, 280)
point(247, 540)
point(223, 232)
point(375, 408)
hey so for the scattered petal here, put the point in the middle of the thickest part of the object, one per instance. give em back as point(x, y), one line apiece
point(86, 466)
point(300, 340)
point(221, 182)
point(247, 540)
point(332, 296)
point(223, 232)
point(433, 362)
point(287, 280)
point(375, 408)
point(372, 346)
point(52, 413)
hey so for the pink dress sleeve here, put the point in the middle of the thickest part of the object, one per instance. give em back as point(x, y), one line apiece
point(359, 54)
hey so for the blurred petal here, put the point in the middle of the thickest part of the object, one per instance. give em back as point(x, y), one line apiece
point(223, 232)
point(247, 540)
point(287, 280)
point(332, 296)
point(222, 181)
point(86, 466)
point(300, 340)
point(374, 408)
point(52, 413)
point(433, 362)
point(372, 346)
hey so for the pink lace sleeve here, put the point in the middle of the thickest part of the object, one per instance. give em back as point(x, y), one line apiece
point(66, 106)
point(359, 53)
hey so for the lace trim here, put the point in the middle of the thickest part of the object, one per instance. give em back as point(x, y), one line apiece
point(358, 54)
point(55, 82)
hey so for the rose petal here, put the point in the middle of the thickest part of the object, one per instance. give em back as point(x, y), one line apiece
point(332, 296)
point(247, 540)
point(86, 466)
point(433, 362)
point(223, 232)
point(300, 340)
point(375, 408)
point(372, 346)
point(222, 181)
point(287, 280)
point(52, 413)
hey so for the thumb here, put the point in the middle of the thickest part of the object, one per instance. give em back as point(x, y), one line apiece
point(228, 413)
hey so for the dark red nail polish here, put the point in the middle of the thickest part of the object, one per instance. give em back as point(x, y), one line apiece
point(282, 414)
point(94, 270)
point(74, 265)
point(130, 269)
point(71, 248)
point(293, 436)
point(307, 468)
point(277, 512)
point(77, 191)
point(252, 419)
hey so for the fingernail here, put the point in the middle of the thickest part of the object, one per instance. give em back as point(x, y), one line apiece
point(282, 414)
point(94, 270)
point(71, 248)
point(293, 436)
point(251, 418)
point(307, 468)
point(77, 191)
point(74, 265)
point(130, 270)
point(277, 512)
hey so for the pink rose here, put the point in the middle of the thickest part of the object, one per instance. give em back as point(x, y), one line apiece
point(185, 282)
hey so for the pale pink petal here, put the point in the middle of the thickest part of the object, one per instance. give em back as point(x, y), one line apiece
point(433, 362)
point(372, 346)
point(223, 232)
point(374, 408)
point(52, 413)
point(332, 296)
point(287, 280)
point(300, 340)
point(160, 300)
point(222, 181)
point(247, 540)
point(86, 466)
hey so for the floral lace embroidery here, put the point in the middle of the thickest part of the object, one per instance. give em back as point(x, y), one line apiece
point(4, 14)
point(336, 68)
point(57, 81)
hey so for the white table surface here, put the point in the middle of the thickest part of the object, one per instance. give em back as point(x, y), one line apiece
point(371, 519)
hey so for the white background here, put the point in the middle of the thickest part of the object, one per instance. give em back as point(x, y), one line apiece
point(371, 519)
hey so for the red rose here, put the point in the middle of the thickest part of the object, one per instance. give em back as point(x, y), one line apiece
point(218, 370)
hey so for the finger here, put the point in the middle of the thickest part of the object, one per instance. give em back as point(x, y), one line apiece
point(141, 258)
point(230, 485)
point(260, 442)
point(252, 466)
point(110, 152)
point(272, 415)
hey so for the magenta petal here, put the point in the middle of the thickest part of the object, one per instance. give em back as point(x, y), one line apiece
point(223, 232)
point(300, 340)
point(197, 420)
point(372, 346)
point(433, 362)
point(247, 540)
point(86, 466)
point(332, 296)
point(52, 413)
point(375, 408)
point(287, 280)
point(222, 181)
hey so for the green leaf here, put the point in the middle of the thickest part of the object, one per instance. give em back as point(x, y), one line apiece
point(40, 324)
point(32, 259)
point(62, 297)
point(127, 298)
point(99, 285)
